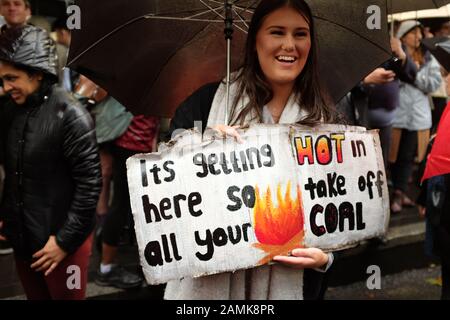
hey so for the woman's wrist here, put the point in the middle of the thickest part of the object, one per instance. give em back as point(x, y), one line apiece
point(327, 264)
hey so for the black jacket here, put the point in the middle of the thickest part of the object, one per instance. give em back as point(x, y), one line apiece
point(194, 110)
point(53, 176)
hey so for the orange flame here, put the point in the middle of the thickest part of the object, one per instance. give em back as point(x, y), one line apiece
point(278, 229)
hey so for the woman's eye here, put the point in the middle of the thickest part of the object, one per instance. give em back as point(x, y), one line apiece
point(277, 32)
point(301, 34)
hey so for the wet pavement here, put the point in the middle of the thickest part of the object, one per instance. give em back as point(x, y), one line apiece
point(415, 284)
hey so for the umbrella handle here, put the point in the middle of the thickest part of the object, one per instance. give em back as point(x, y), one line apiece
point(228, 20)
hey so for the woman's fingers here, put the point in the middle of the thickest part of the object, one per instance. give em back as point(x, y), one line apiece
point(39, 262)
point(302, 258)
point(296, 262)
point(229, 131)
point(44, 266)
point(52, 267)
point(2, 238)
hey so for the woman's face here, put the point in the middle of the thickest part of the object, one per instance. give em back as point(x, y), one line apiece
point(17, 83)
point(283, 43)
point(413, 38)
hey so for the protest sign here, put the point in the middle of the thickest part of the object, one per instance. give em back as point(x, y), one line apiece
point(205, 205)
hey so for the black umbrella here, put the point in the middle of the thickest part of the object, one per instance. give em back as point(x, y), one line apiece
point(396, 6)
point(152, 54)
point(440, 49)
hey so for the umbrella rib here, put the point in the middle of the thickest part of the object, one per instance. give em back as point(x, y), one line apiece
point(241, 18)
point(246, 9)
point(201, 13)
point(179, 18)
point(106, 36)
point(354, 32)
point(131, 22)
point(212, 9)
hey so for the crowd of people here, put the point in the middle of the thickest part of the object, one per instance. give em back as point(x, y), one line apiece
point(64, 143)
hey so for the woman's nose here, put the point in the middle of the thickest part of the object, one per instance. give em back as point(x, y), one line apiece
point(6, 86)
point(288, 43)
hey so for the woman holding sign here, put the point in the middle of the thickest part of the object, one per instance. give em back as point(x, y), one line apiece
point(277, 84)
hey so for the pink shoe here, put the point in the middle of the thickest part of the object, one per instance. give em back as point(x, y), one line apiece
point(407, 202)
point(396, 207)
point(396, 204)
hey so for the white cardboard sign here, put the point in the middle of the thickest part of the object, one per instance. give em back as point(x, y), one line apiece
point(205, 205)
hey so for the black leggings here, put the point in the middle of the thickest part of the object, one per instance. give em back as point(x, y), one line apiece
point(120, 211)
point(402, 168)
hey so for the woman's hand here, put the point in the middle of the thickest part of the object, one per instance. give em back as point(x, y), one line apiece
point(2, 238)
point(303, 258)
point(396, 46)
point(229, 131)
point(422, 211)
point(379, 76)
point(48, 257)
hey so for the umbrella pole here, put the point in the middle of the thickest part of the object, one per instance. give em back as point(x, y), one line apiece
point(392, 25)
point(392, 19)
point(228, 36)
point(227, 103)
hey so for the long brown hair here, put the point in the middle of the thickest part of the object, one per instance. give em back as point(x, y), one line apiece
point(417, 54)
point(307, 88)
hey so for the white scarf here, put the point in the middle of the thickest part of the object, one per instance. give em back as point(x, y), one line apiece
point(292, 112)
point(269, 282)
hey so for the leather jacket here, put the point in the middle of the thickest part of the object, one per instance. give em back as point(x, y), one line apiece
point(53, 175)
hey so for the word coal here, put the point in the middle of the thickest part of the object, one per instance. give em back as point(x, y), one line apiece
point(334, 217)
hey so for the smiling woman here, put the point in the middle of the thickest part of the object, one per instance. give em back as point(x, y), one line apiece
point(19, 81)
point(52, 169)
point(277, 83)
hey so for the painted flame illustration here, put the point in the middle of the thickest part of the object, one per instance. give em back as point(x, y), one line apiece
point(279, 229)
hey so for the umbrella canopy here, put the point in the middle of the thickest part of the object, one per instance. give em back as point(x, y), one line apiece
point(396, 6)
point(151, 55)
point(440, 49)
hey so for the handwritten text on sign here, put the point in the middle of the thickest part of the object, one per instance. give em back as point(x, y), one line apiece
point(204, 206)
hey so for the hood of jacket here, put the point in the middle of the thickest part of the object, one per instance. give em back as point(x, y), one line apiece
point(29, 46)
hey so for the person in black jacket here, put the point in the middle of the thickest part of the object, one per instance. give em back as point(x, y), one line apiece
point(53, 176)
